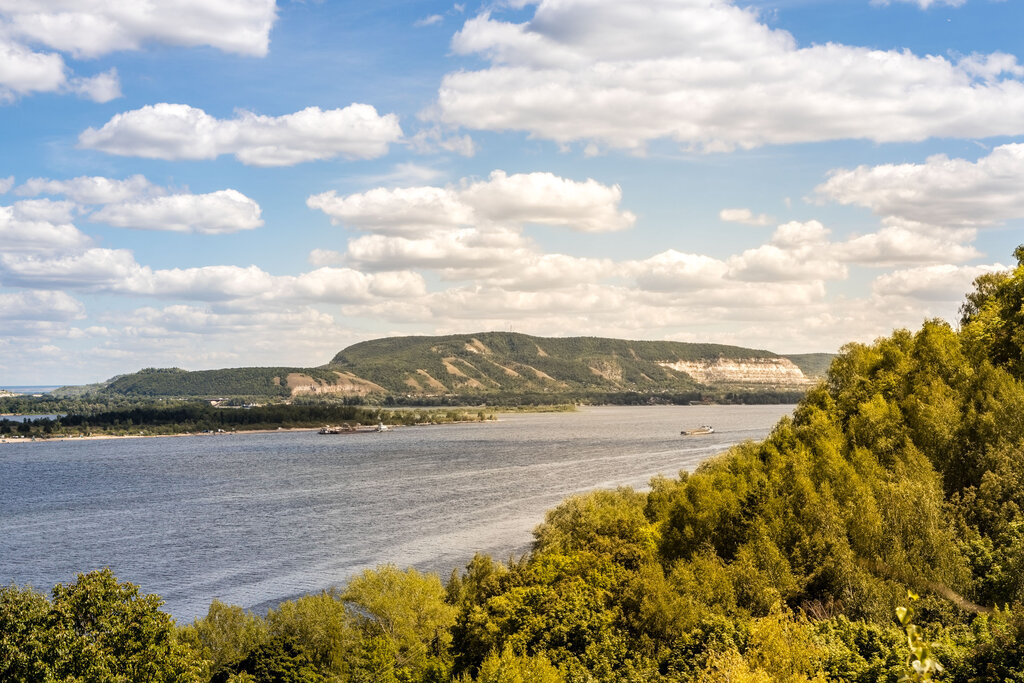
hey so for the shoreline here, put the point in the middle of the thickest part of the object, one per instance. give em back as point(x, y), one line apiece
point(365, 429)
point(103, 437)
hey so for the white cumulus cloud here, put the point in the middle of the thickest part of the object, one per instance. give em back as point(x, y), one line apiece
point(90, 189)
point(745, 216)
point(218, 212)
point(90, 28)
point(39, 305)
point(115, 271)
point(325, 257)
point(451, 251)
point(44, 211)
point(674, 271)
point(939, 192)
point(345, 285)
point(897, 244)
point(178, 131)
point(23, 71)
point(797, 251)
point(93, 268)
point(710, 75)
point(517, 199)
point(943, 282)
point(100, 88)
point(397, 211)
point(39, 226)
point(548, 199)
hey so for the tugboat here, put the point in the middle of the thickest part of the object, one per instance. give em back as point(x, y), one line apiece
point(699, 431)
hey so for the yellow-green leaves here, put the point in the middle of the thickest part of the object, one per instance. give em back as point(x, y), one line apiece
point(921, 664)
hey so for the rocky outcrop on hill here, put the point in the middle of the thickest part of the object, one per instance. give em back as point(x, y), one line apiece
point(346, 384)
point(767, 371)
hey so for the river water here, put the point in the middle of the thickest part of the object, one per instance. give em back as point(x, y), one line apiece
point(252, 519)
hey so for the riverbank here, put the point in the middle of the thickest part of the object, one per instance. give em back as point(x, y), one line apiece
point(362, 429)
point(103, 437)
point(201, 418)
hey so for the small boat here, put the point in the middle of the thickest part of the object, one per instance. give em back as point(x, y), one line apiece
point(330, 430)
point(381, 427)
point(699, 431)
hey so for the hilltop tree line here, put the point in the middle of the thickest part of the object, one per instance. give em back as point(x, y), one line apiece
point(797, 559)
point(254, 382)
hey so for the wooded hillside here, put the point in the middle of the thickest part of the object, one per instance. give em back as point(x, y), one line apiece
point(491, 362)
point(501, 365)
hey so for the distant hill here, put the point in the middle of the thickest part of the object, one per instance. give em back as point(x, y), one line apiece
point(497, 364)
point(273, 382)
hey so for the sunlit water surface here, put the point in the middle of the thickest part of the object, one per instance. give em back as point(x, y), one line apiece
point(252, 519)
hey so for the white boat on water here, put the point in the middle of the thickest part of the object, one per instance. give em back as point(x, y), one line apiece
point(381, 427)
point(699, 431)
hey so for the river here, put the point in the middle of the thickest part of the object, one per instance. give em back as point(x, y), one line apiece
point(252, 519)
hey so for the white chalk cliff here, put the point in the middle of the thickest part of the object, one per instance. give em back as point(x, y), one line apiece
point(741, 371)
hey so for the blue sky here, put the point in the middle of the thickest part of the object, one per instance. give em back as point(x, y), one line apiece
point(238, 182)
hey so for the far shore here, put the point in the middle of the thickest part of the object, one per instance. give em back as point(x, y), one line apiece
point(99, 437)
point(363, 429)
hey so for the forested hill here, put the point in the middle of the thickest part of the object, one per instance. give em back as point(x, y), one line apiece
point(511, 362)
point(505, 365)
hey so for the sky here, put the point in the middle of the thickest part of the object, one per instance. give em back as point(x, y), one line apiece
point(223, 183)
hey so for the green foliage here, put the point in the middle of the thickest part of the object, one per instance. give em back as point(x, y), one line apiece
point(387, 625)
point(178, 383)
point(993, 317)
point(609, 525)
point(997, 652)
point(508, 667)
point(407, 612)
point(225, 636)
point(24, 636)
point(921, 665)
point(95, 630)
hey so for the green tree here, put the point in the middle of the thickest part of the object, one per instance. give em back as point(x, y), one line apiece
point(408, 613)
point(508, 667)
point(225, 636)
point(94, 630)
point(23, 635)
point(992, 318)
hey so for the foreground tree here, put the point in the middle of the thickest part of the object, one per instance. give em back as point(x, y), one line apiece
point(94, 630)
